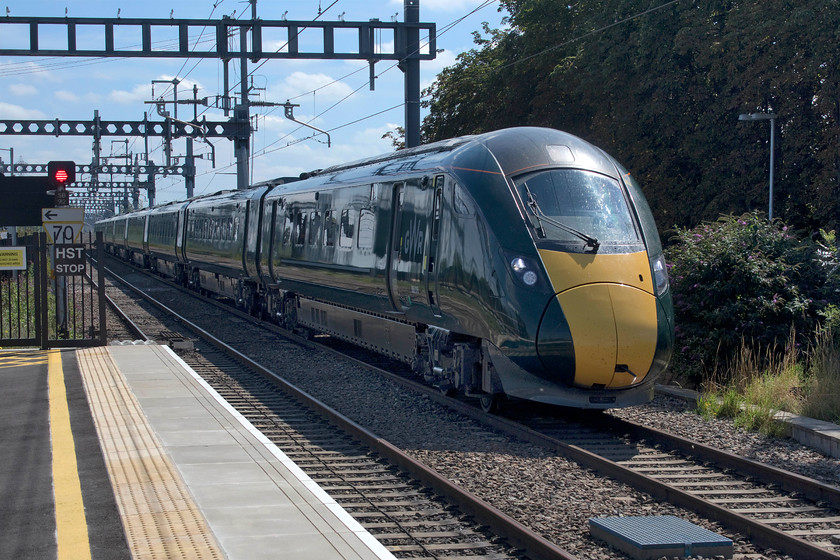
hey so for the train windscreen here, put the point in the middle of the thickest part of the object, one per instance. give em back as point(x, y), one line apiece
point(574, 206)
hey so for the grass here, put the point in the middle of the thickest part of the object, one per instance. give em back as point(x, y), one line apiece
point(761, 385)
point(17, 304)
point(823, 401)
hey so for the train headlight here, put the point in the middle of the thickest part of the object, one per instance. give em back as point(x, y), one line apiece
point(660, 275)
point(524, 271)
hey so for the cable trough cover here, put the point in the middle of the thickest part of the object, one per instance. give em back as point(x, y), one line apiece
point(648, 537)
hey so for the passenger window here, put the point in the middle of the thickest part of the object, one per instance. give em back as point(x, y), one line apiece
point(300, 228)
point(314, 223)
point(436, 217)
point(329, 228)
point(366, 228)
point(288, 222)
point(345, 238)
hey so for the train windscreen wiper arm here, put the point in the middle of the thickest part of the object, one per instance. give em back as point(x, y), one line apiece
point(540, 215)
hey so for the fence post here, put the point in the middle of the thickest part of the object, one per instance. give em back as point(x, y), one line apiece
point(41, 292)
point(100, 278)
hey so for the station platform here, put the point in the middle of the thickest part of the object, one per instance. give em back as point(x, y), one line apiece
point(125, 452)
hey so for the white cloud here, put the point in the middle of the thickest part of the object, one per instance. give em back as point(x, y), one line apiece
point(35, 72)
point(325, 87)
point(65, 95)
point(143, 92)
point(10, 111)
point(23, 89)
point(138, 94)
point(93, 98)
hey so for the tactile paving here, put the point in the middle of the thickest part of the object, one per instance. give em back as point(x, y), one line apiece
point(158, 513)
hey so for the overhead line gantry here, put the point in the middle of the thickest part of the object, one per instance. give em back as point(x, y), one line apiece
point(407, 51)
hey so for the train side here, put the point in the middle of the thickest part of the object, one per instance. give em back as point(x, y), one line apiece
point(520, 263)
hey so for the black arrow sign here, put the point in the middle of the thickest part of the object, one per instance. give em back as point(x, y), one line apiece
point(49, 214)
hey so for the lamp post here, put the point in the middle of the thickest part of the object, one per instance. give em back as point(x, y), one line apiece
point(772, 118)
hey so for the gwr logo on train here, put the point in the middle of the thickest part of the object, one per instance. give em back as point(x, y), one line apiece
point(412, 243)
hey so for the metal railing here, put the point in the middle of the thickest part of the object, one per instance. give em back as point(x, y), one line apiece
point(40, 308)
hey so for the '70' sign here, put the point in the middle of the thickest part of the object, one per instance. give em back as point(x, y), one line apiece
point(63, 225)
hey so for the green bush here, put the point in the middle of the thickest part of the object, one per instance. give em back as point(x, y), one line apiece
point(744, 280)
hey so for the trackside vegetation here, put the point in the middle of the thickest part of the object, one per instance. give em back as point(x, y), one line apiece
point(758, 322)
point(660, 86)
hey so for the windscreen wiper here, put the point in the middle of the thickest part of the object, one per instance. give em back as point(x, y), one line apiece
point(539, 214)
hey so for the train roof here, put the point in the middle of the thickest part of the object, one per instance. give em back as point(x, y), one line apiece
point(515, 150)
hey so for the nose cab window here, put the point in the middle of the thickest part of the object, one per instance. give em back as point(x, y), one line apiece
point(575, 206)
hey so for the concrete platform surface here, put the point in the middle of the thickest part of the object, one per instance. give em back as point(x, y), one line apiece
point(201, 463)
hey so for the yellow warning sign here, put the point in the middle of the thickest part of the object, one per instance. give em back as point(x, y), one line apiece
point(12, 258)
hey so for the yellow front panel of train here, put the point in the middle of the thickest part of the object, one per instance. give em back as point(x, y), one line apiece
point(608, 303)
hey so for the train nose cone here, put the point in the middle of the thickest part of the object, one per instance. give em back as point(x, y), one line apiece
point(613, 333)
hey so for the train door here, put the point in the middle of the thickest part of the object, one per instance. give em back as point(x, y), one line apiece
point(145, 243)
point(253, 224)
point(431, 276)
point(396, 246)
point(269, 231)
point(180, 239)
point(411, 206)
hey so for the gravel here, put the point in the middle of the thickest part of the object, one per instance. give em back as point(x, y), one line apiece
point(676, 416)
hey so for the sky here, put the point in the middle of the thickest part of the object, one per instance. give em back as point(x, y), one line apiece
point(330, 94)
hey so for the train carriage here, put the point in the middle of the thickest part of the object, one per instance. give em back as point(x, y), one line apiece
point(164, 239)
point(113, 231)
point(135, 249)
point(215, 242)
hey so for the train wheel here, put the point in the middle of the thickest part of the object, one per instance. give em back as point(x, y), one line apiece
point(491, 404)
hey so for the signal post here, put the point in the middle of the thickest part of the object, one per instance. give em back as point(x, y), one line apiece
point(64, 229)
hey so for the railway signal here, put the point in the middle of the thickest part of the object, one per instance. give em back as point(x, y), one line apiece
point(59, 175)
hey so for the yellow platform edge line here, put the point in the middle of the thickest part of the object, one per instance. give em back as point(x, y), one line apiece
point(71, 525)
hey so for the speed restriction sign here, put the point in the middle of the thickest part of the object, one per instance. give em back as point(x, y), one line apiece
point(59, 233)
point(63, 225)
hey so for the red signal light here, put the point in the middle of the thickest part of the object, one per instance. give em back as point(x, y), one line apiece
point(61, 173)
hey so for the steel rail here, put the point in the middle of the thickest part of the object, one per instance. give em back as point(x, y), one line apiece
point(516, 534)
point(791, 482)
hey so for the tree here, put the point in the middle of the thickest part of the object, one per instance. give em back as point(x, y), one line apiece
point(660, 86)
point(397, 137)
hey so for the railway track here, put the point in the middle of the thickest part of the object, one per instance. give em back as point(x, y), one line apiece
point(410, 509)
point(775, 509)
point(778, 509)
